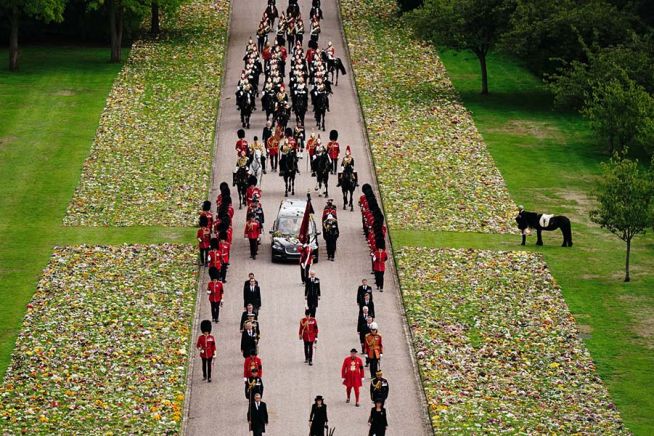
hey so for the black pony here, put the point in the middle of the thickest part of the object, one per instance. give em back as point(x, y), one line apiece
point(240, 180)
point(322, 167)
point(245, 103)
point(282, 114)
point(300, 103)
point(348, 183)
point(321, 102)
point(287, 170)
point(268, 103)
point(542, 222)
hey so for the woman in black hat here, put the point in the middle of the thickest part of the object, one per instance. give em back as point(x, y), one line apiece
point(318, 417)
point(377, 420)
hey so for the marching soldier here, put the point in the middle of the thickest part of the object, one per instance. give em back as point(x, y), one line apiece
point(309, 334)
point(379, 388)
point(379, 259)
point(206, 211)
point(252, 232)
point(253, 385)
point(348, 160)
point(352, 375)
point(215, 292)
point(252, 362)
point(204, 239)
point(330, 208)
point(333, 150)
point(306, 259)
point(374, 348)
point(312, 292)
point(331, 233)
point(206, 343)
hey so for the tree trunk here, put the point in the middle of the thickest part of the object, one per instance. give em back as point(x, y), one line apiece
point(13, 39)
point(626, 276)
point(481, 54)
point(154, 20)
point(115, 29)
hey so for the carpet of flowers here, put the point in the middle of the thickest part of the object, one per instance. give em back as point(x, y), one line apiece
point(148, 164)
point(433, 166)
point(103, 348)
point(497, 346)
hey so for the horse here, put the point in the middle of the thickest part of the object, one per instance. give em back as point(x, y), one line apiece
point(542, 222)
point(300, 103)
point(268, 103)
point(288, 169)
point(334, 67)
point(348, 182)
point(245, 103)
point(320, 109)
point(322, 167)
point(282, 114)
point(271, 11)
point(293, 10)
point(240, 180)
point(256, 169)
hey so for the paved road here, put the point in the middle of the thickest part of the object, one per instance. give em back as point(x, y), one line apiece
point(219, 408)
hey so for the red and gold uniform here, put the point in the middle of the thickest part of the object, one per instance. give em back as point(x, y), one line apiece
point(352, 375)
point(215, 291)
point(250, 363)
point(308, 333)
point(252, 232)
point(374, 350)
point(250, 192)
point(242, 147)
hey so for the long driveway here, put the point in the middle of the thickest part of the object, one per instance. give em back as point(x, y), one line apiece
point(220, 408)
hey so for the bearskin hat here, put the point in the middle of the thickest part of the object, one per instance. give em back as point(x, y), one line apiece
point(205, 326)
point(204, 221)
point(206, 206)
point(313, 44)
point(366, 188)
point(252, 181)
point(213, 243)
point(288, 132)
point(214, 273)
point(380, 242)
point(224, 187)
point(240, 133)
point(333, 135)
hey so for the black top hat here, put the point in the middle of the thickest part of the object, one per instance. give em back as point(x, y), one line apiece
point(205, 326)
point(319, 398)
point(353, 350)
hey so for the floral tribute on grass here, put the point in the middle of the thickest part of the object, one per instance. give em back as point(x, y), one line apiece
point(151, 157)
point(497, 347)
point(432, 164)
point(103, 348)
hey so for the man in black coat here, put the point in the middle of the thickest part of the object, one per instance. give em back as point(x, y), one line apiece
point(247, 313)
point(257, 416)
point(254, 385)
point(379, 388)
point(363, 290)
point(249, 340)
point(367, 302)
point(312, 292)
point(252, 295)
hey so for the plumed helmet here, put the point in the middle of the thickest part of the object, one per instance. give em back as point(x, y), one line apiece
point(348, 150)
point(333, 135)
point(205, 326)
point(374, 326)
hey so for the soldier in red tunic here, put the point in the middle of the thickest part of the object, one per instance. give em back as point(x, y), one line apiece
point(215, 291)
point(204, 238)
point(207, 345)
point(333, 150)
point(309, 334)
point(224, 247)
point(252, 232)
point(206, 211)
point(242, 143)
point(251, 362)
point(214, 257)
point(379, 258)
point(352, 374)
point(374, 348)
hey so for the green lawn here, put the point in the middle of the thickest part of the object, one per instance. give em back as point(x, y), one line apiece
point(550, 160)
point(49, 113)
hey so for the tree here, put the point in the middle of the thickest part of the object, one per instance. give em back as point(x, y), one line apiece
point(117, 9)
point(624, 195)
point(168, 7)
point(474, 25)
point(45, 10)
point(409, 5)
point(622, 112)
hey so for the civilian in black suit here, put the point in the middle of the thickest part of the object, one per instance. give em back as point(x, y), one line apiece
point(312, 292)
point(252, 295)
point(367, 302)
point(249, 311)
point(257, 416)
point(363, 289)
point(249, 340)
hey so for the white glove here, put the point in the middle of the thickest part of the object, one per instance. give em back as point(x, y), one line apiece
point(381, 355)
point(245, 379)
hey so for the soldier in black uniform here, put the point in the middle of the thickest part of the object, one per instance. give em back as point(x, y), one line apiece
point(379, 388)
point(312, 292)
point(253, 385)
